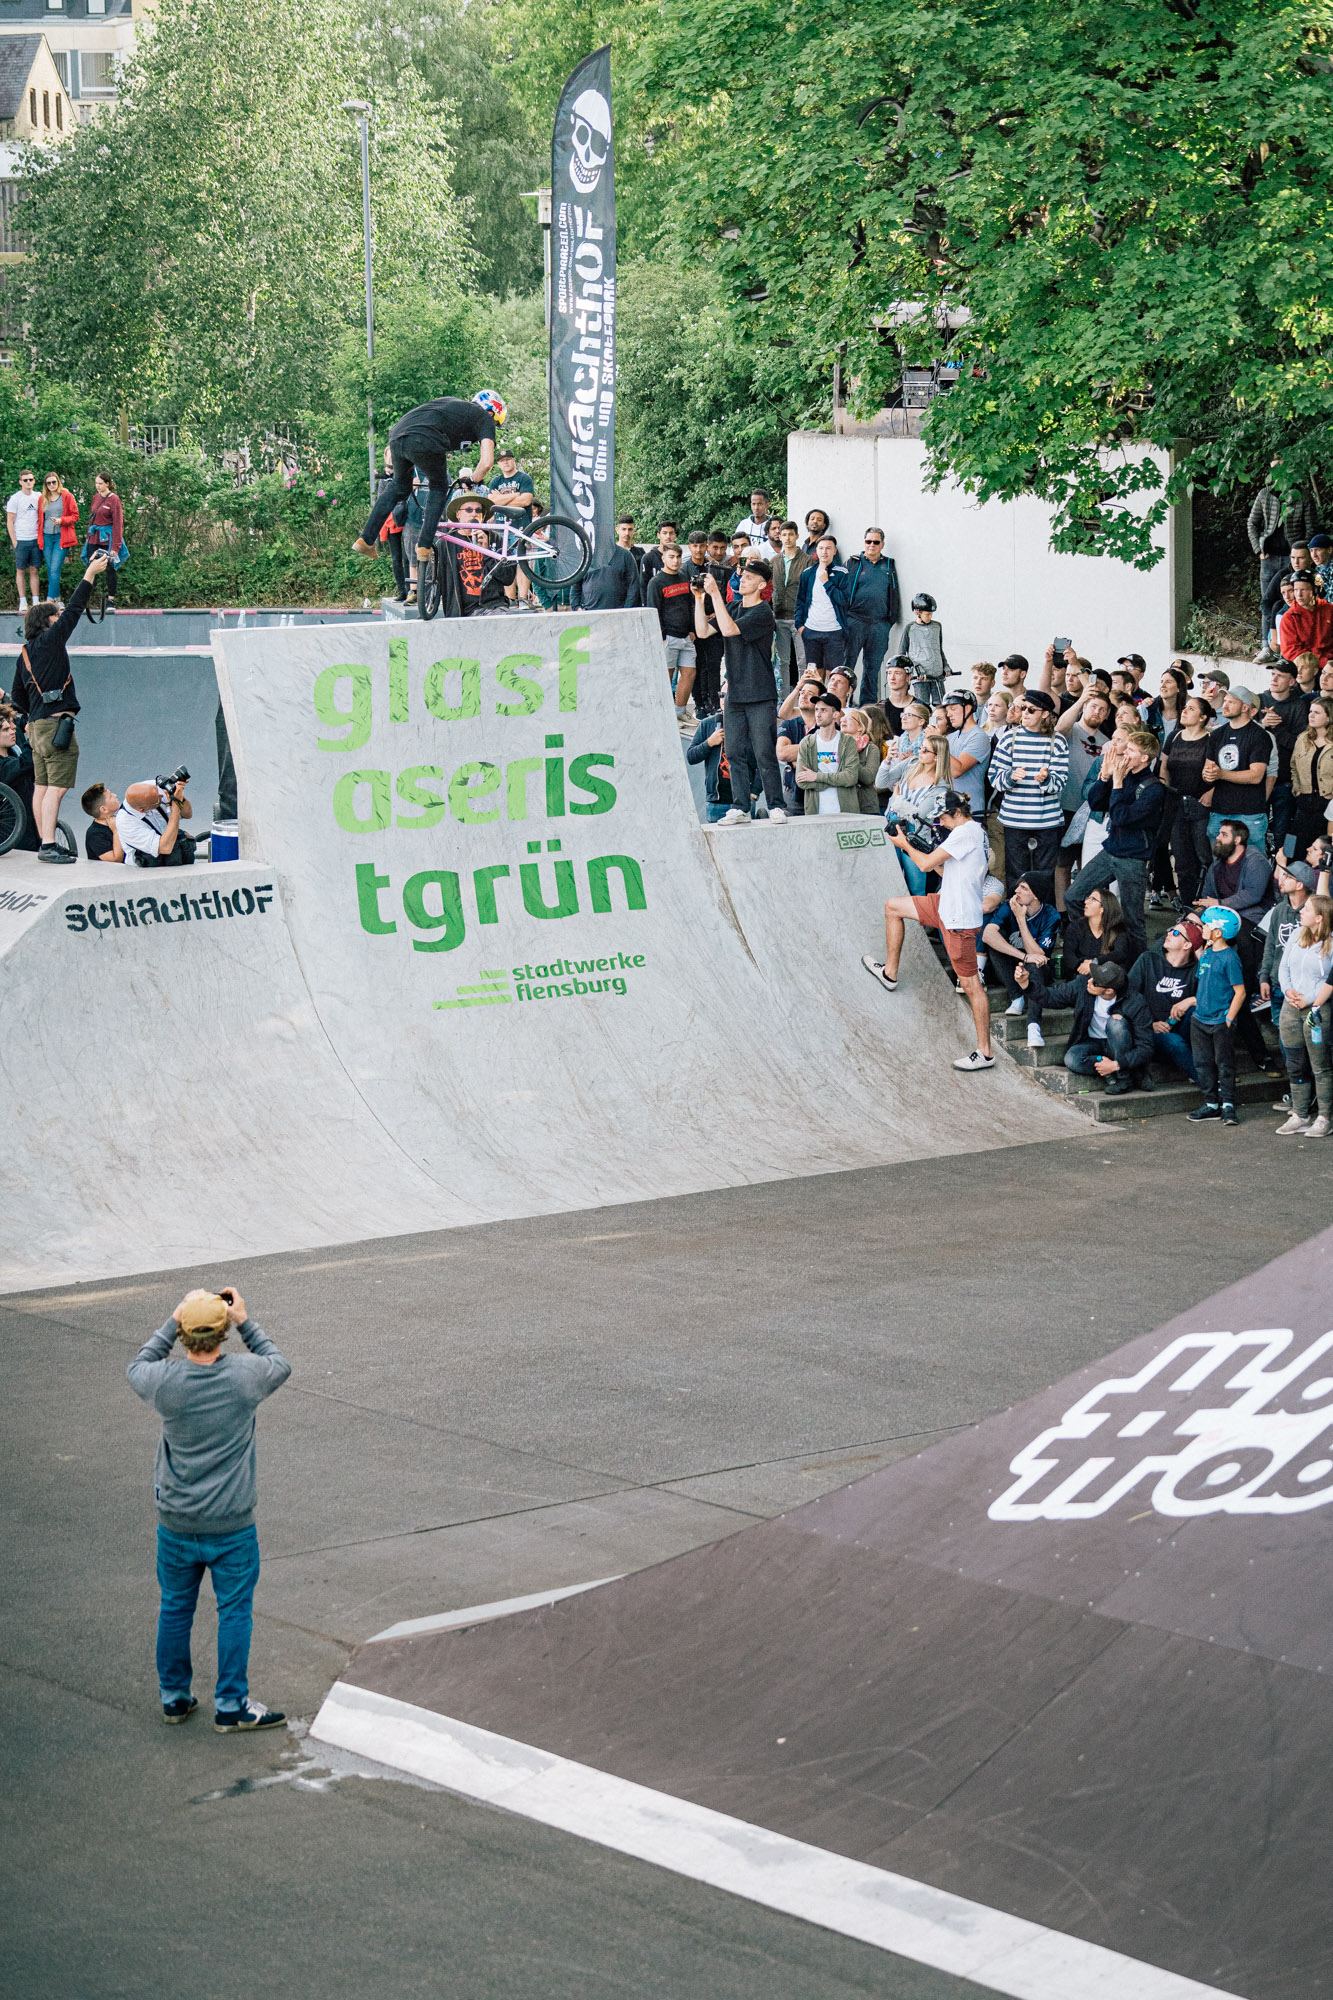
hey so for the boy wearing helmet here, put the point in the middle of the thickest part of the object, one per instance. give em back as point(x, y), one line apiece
point(421, 441)
point(923, 644)
point(1218, 999)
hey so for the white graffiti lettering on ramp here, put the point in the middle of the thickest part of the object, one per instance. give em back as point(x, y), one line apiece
point(504, 971)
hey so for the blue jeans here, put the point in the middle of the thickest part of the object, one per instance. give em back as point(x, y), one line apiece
point(181, 1562)
point(1173, 1047)
point(1256, 822)
point(55, 562)
point(1083, 1057)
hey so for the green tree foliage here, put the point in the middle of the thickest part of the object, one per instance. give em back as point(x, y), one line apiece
point(498, 152)
point(1131, 205)
point(702, 414)
point(199, 249)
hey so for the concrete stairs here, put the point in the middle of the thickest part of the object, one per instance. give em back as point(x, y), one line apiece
point(1173, 1093)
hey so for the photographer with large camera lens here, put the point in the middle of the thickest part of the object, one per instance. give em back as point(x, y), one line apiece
point(955, 910)
point(43, 694)
point(149, 823)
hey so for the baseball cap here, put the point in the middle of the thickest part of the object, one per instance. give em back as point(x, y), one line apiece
point(1214, 677)
point(206, 1314)
point(1299, 871)
point(1015, 660)
point(829, 700)
point(1192, 929)
point(1038, 698)
point(956, 802)
point(1247, 695)
point(1133, 660)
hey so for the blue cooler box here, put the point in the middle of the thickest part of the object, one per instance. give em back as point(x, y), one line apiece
point(226, 842)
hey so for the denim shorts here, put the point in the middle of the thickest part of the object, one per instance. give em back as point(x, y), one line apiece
point(27, 555)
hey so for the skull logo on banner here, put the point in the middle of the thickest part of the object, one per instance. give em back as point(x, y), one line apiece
point(591, 140)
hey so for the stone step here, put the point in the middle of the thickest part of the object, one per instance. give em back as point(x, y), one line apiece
point(1087, 1095)
point(1012, 1029)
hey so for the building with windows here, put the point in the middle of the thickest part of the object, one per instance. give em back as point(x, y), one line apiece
point(87, 40)
point(34, 103)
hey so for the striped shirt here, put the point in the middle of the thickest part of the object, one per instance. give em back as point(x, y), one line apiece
point(1025, 802)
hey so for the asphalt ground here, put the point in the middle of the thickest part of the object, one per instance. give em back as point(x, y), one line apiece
point(486, 1412)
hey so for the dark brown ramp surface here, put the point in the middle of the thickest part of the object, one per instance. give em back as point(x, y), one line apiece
point(1072, 1665)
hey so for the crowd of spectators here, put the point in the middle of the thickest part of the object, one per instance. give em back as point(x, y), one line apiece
point(1041, 812)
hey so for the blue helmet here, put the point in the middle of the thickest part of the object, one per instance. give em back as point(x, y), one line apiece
point(1227, 920)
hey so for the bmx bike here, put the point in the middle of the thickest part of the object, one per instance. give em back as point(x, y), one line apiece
point(553, 552)
point(14, 821)
point(102, 598)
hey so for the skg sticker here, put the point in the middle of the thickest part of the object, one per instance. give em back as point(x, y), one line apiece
point(1218, 1423)
point(869, 836)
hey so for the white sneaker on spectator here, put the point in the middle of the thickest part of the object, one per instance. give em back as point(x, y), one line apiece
point(776, 812)
point(975, 1061)
point(1319, 1129)
point(1036, 1039)
point(735, 817)
point(1016, 1006)
point(875, 968)
point(23, 604)
point(1293, 1125)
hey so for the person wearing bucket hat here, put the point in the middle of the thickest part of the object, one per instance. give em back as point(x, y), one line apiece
point(204, 1484)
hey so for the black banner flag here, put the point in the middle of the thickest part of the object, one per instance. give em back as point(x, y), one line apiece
point(583, 304)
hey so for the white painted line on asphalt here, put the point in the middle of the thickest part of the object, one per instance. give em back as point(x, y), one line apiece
point(1007, 1954)
point(480, 1614)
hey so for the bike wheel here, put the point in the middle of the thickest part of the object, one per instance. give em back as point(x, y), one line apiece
point(13, 818)
point(563, 556)
point(428, 586)
point(65, 838)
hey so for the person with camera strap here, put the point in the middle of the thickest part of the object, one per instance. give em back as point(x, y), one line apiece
point(43, 696)
point(955, 910)
point(149, 823)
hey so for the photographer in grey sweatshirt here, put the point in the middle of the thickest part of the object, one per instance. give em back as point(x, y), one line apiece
point(204, 1486)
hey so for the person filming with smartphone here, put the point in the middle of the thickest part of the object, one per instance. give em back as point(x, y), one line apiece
point(204, 1484)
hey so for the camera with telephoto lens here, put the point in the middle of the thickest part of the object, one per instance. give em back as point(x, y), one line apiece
point(920, 833)
point(180, 776)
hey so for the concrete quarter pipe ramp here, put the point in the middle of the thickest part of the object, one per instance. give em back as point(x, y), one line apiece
point(1047, 1706)
point(515, 974)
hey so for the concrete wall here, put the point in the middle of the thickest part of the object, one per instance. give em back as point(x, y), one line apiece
point(999, 587)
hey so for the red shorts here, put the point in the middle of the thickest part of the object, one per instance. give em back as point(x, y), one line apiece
point(960, 945)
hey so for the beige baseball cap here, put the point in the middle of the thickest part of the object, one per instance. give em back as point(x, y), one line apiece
point(204, 1313)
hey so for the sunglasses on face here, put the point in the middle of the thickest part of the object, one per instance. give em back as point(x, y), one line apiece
point(874, 541)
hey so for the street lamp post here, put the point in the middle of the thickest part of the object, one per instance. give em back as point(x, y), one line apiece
point(362, 114)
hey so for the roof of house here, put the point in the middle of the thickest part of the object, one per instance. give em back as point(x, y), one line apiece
point(18, 53)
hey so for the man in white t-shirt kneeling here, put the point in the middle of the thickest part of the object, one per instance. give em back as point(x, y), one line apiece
point(955, 911)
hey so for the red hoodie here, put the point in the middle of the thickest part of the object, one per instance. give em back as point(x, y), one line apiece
point(1307, 631)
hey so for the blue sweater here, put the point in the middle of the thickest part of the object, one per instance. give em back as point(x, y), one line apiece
point(1134, 813)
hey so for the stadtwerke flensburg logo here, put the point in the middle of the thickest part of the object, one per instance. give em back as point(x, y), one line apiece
point(562, 979)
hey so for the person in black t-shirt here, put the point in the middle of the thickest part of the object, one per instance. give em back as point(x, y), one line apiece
point(421, 441)
point(670, 596)
point(705, 555)
point(752, 694)
point(102, 842)
point(1236, 768)
point(482, 583)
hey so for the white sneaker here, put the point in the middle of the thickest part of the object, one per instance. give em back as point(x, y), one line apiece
point(1016, 1006)
point(1036, 1039)
point(875, 968)
point(1319, 1129)
point(776, 812)
point(23, 604)
point(734, 818)
point(975, 1061)
point(1293, 1125)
